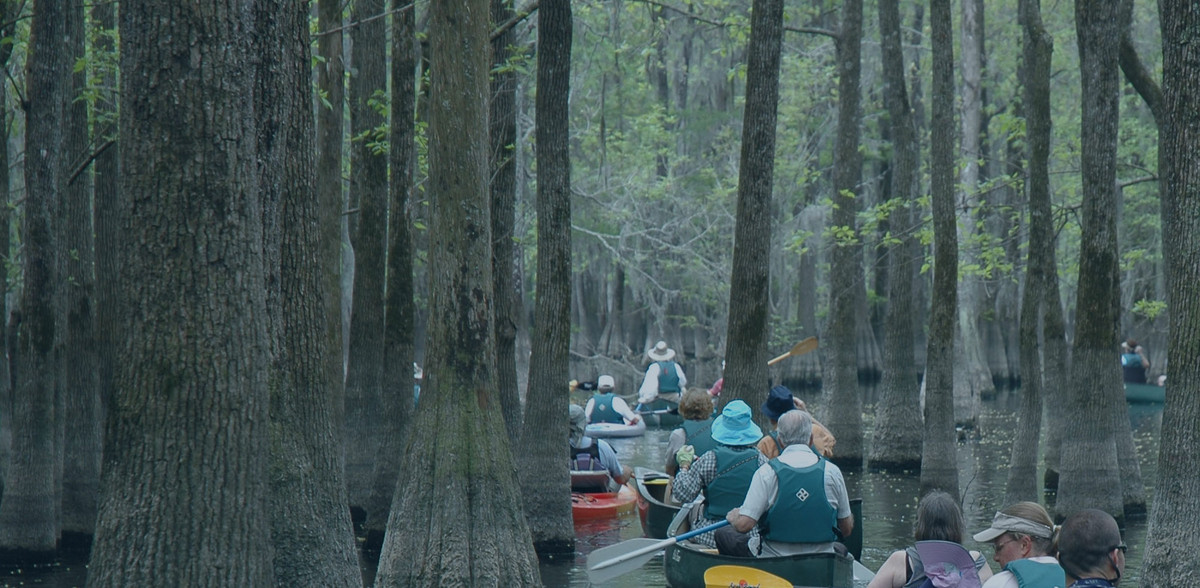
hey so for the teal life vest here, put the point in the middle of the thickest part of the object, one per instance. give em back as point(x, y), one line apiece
point(602, 409)
point(698, 434)
point(1132, 370)
point(668, 378)
point(801, 513)
point(727, 490)
point(1035, 574)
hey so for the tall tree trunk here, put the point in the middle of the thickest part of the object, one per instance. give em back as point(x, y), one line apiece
point(368, 237)
point(749, 304)
point(29, 513)
point(1176, 513)
point(311, 530)
point(972, 380)
point(84, 434)
point(938, 462)
point(1090, 468)
point(459, 493)
point(897, 443)
point(8, 18)
point(397, 402)
point(193, 292)
point(503, 135)
point(330, 133)
point(1037, 49)
point(845, 403)
point(545, 478)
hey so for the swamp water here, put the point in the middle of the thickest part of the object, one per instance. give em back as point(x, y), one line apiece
point(889, 502)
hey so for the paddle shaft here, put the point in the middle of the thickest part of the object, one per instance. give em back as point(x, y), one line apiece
point(800, 348)
point(655, 547)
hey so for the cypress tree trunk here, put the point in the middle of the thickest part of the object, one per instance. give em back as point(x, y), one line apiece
point(897, 443)
point(1176, 514)
point(545, 479)
point(845, 402)
point(458, 519)
point(7, 16)
point(1089, 469)
point(29, 513)
point(749, 304)
point(368, 237)
point(193, 292)
point(938, 463)
point(310, 517)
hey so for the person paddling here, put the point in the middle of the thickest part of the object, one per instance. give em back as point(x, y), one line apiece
point(606, 407)
point(664, 377)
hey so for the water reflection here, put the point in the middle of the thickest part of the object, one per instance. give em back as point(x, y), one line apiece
point(889, 500)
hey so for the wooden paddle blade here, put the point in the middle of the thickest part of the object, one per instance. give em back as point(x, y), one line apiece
point(806, 346)
point(728, 576)
point(597, 575)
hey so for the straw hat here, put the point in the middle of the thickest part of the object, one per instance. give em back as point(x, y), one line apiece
point(661, 352)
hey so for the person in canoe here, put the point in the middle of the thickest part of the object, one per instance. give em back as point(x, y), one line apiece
point(724, 472)
point(1022, 538)
point(1133, 362)
point(696, 408)
point(798, 500)
point(664, 377)
point(779, 401)
point(939, 525)
point(606, 407)
point(589, 454)
point(1090, 549)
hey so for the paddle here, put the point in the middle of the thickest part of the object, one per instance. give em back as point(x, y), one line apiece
point(725, 576)
point(626, 556)
point(659, 411)
point(805, 346)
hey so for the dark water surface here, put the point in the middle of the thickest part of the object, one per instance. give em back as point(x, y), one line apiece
point(889, 502)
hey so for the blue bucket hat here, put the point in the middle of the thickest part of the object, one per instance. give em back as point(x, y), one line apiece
point(734, 426)
point(779, 401)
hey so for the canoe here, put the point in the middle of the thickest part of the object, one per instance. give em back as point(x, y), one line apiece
point(601, 505)
point(603, 430)
point(652, 506)
point(660, 413)
point(1145, 393)
point(586, 480)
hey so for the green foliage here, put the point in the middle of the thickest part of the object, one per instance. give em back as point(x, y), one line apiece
point(1150, 309)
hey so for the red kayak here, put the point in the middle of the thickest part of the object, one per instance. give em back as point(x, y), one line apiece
point(601, 505)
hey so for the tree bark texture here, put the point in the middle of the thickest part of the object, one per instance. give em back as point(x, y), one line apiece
point(7, 16)
point(938, 458)
point(29, 514)
point(83, 417)
point(749, 304)
point(1175, 515)
point(311, 531)
point(397, 402)
point(1037, 49)
point(845, 402)
point(503, 135)
point(897, 443)
point(457, 518)
point(185, 471)
point(545, 479)
point(1089, 468)
point(368, 237)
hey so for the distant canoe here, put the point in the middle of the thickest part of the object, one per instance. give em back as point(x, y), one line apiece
point(653, 508)
point(602, 505)
point(660, 413)
point(1148, 393)
point(609, 430)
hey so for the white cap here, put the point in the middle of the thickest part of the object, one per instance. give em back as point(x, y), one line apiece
point(605, 382)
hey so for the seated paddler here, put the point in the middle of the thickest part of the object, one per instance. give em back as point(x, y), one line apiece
point(606, 407)
point(595, 455)
point(724, 472)
point(797, 501)
point(696, 408)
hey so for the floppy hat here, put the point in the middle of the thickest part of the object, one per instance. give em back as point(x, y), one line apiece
point(779, 401)
point(1003, 523)
point(661, 352)
point(605, 382)
point(734, 426)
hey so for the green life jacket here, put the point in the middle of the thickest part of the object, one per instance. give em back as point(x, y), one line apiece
point(801, 513)
point(602, 409)
point(668, 378)
point(1035, 574)
point(727, 490)
point(698, 434)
